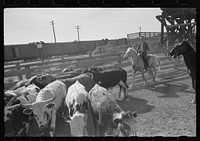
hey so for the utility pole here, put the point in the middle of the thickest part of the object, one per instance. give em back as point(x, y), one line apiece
point(78, 27)
point(52, 23)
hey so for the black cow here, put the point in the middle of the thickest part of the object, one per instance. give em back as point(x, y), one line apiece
point(110, 78)
point(14, 119)
point(189, 55)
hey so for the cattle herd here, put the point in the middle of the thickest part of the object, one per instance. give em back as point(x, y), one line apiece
point(39, 104)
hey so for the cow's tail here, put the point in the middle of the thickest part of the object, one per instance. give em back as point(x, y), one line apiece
point(125, 78)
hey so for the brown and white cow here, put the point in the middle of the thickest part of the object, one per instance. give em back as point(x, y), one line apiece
point(109, 119)
point(78, 104)
point(47, 103)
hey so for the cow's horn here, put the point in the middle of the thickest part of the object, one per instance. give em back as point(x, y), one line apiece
point(12, 101)
point(13, 107)
point(26, 105)
point(50, 100)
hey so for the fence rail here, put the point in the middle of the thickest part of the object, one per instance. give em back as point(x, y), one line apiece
point(116, 60)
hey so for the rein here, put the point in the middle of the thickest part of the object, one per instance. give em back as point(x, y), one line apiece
point(136, 61)
point(187, 53)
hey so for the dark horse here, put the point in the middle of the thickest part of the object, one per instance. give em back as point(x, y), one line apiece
point(189, 56)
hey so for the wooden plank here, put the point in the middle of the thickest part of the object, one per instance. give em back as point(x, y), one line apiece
point(16, 73)
point(183, 24)
point(7, 86)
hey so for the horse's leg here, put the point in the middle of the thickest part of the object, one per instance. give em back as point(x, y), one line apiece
point(134, 72)
point(154, 71)
point(145, 81)
point(194, 87)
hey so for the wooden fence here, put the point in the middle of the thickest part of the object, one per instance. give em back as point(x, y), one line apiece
point(26, 69)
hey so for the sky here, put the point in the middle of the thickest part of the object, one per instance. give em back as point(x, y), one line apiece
point(25, 25)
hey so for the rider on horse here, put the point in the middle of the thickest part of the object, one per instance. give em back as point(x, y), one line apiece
point(143, 48)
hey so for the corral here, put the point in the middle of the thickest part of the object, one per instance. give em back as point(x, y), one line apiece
point(164, 108)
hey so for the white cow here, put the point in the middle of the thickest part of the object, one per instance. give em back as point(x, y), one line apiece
point(47, 103)
point(108, 118)
point(78, 104)
point(24, 94)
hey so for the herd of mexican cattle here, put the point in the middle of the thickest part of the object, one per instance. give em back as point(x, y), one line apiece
point(38, 104)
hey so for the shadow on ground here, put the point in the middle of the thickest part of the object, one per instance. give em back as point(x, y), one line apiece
point(135, 104)
point(170, 90)
point(164, 79)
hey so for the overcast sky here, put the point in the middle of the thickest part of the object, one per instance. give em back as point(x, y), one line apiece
point(25, 25)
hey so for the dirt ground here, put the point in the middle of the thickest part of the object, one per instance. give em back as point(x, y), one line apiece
point(164, 108)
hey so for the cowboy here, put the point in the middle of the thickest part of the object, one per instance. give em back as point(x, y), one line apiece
point(143, 48)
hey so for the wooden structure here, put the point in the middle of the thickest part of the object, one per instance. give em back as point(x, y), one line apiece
point(179, 22)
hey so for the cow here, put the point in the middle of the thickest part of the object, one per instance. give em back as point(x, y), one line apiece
point(85, 79)
point(16, 123)
point(108, 118)
point(111, 78)
point(41, 80)
point(47, 103)
point(24, 94)
point(77, 104)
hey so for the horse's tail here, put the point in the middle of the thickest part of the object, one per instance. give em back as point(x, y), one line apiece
point(158, 60)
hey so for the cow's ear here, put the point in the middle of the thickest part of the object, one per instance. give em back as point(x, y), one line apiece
point(134, 114)
point(28, 111)
point(116, 121)
point(50, 105)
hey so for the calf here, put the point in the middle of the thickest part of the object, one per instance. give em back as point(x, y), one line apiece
point(109, 119)
point(47, 103)
point(77, 103)
point(111, 78)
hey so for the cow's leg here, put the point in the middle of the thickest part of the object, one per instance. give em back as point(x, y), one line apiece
point(123, 85)
point(53, 123)
point(102, 130)
point(120, 89)
point(134, 72)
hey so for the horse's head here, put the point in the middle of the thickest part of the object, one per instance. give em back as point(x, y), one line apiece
point(129, 52)
point(181, 49)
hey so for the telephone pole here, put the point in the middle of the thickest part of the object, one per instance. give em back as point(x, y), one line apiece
point(78, 27)
point(52, 23)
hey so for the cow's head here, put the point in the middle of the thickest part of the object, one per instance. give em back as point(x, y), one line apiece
point(42, 111)
point(77, 124)
point(45, 79)
point(124, 124)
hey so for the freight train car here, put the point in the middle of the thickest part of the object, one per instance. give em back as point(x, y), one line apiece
point(32, 52)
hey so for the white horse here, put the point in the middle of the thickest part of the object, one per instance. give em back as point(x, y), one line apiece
point(138, 64)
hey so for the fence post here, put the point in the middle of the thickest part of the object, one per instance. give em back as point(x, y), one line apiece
point(119, 59)
point(28, 75)
point(17, 65)
point(90, 53)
